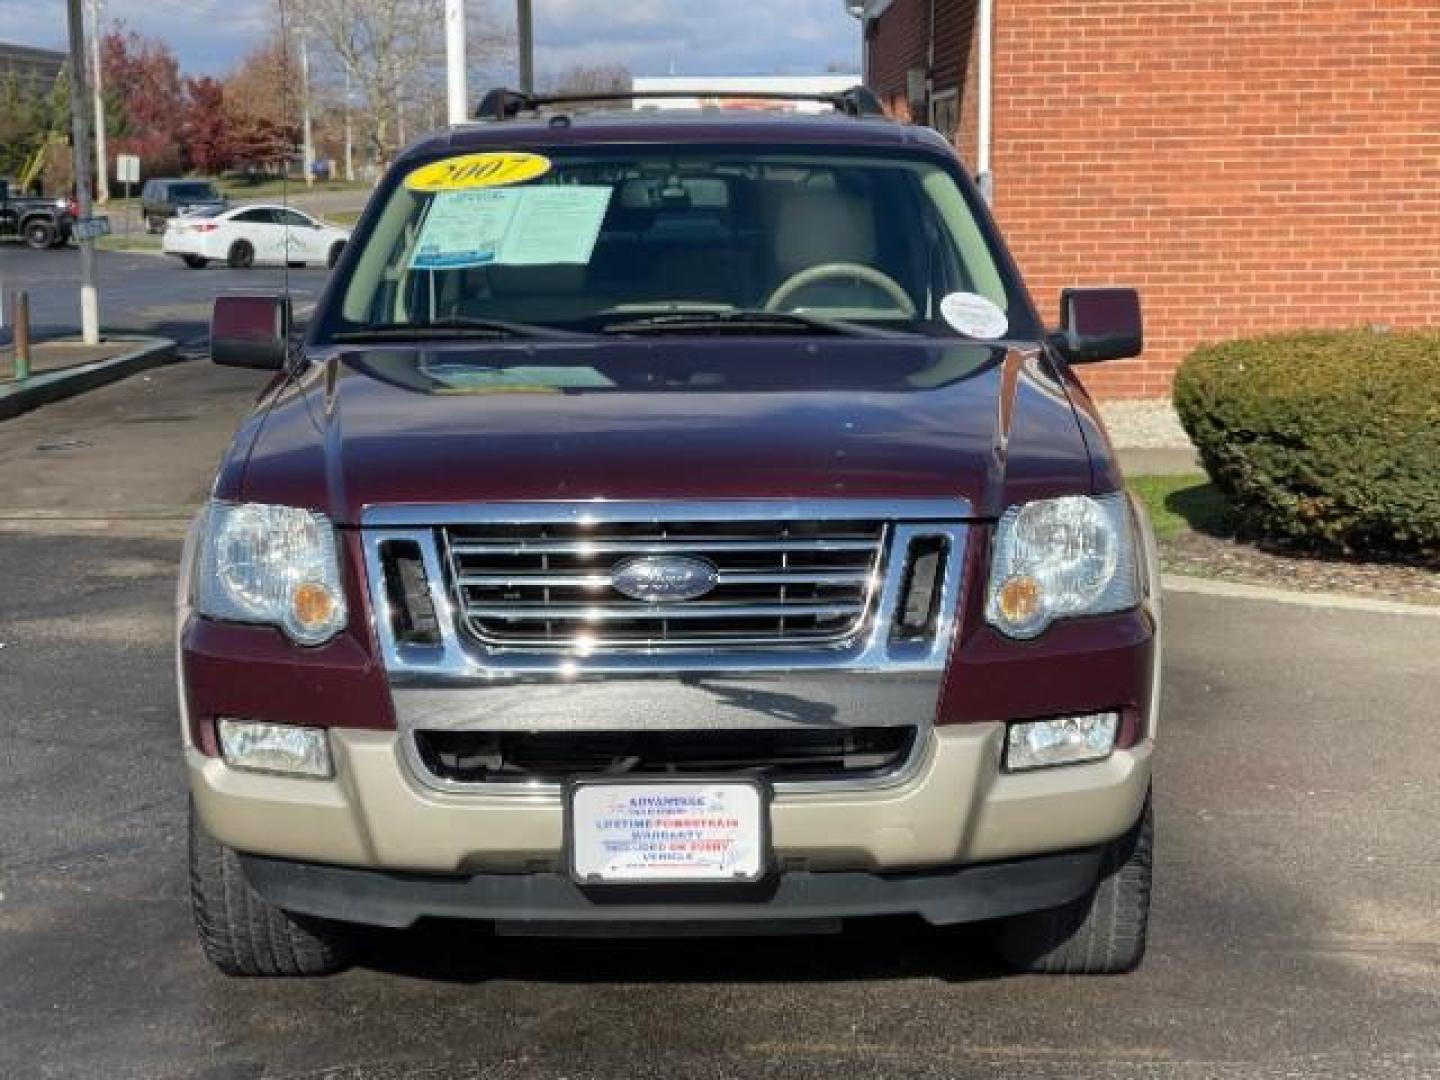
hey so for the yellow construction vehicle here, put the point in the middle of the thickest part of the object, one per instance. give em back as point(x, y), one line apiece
point(37, 161)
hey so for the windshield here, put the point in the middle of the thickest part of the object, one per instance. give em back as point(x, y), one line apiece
point(663, 240)
point(193, 191)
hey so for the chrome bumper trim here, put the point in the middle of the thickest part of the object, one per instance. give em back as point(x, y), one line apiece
point(871, 679)
point(408, 515)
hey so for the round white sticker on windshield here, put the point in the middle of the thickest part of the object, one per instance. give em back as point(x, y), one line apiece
point(974, 315)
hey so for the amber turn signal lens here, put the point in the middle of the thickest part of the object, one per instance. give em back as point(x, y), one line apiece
point(313, 604)
point(1019, 599)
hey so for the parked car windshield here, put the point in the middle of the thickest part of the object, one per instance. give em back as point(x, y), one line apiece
point(666, 240)
point(193, 191)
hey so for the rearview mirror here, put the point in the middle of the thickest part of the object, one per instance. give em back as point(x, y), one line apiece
point(250, 331)
point(1099, 324)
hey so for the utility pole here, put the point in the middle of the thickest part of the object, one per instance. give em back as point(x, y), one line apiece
point(306, 129)
point(349, 131)
point(80, 126)
point(457, 94)
point(525, 37)
point(102, 160)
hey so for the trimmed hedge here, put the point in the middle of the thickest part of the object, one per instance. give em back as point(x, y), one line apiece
point(1328, 440)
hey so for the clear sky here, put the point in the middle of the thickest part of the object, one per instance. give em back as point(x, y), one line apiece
point(699, 37)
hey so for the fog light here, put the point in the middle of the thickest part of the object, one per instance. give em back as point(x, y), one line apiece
point(1062, 740)
point(276, 748)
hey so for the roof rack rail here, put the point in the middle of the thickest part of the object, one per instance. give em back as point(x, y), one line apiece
point(503, 104)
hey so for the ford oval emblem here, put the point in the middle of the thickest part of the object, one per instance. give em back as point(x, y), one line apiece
point(655, 578)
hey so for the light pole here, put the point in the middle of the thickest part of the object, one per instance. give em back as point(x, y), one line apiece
point(456, 93)
point(102, 160)
point(525, 38)
point(80, 126)
point(306, 129)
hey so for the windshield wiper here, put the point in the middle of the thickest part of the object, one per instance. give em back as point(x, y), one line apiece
point(743, 320)
point(455, 327)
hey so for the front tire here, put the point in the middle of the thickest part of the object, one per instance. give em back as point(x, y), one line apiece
point(1102, 933)
point(242, 255)
point(244, 934)
point(196, 262)
point(39, 234)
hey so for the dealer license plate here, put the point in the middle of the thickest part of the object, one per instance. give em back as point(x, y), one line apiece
point(667, 831)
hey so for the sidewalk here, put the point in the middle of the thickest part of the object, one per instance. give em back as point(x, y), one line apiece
point(62, 369)
point(1149, 439)
point(51, 356)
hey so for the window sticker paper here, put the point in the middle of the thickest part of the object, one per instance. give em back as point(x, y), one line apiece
point(534, 226)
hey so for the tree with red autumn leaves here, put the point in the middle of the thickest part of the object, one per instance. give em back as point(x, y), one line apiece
point(200, 124)
point(209, 138)
point(150, 96)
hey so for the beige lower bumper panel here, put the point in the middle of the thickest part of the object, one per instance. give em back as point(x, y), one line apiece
point(956, 809)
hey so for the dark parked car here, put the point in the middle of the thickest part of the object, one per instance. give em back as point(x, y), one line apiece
point(163, 198)
point(41, 222)
point(676, 522)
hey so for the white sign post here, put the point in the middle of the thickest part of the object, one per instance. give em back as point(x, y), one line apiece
point(127, 172)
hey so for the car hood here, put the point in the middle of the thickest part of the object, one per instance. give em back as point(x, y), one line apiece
point(664, 419)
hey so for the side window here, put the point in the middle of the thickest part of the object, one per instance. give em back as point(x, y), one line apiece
point(293, 219)
point(255, 217)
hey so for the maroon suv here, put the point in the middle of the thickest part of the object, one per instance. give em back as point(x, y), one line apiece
point(671, 522)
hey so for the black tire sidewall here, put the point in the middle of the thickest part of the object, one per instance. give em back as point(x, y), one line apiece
point(39, 235)
point(337, 249)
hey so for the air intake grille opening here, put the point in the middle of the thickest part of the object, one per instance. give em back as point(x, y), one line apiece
point(778, 583)
point(481, 757)
point(412, 613)
point(918, 612)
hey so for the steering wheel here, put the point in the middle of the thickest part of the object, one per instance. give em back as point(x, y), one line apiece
point(855, 271)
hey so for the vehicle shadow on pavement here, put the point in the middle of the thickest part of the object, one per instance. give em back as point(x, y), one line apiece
point(885, 948)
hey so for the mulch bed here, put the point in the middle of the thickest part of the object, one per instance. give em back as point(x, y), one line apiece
point(1230, 560)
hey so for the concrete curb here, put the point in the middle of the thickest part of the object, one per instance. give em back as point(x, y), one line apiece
point(53, 386)
point(1234, 590)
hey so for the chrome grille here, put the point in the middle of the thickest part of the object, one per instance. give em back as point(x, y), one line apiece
point(779, 583)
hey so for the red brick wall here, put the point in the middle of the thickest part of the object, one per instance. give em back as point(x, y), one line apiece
point(898, 42)
point(1251, 165)
point(967, 139)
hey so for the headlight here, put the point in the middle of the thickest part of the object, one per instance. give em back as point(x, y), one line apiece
point(271, 564)
point(1059, 557)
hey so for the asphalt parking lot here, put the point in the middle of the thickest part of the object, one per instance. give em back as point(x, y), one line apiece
point(1295, 928)
point(140, 293)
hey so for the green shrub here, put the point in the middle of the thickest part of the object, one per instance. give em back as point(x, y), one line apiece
point(1328, 440)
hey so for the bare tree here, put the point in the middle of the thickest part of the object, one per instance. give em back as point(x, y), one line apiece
point(590, 79)
point(393, 54)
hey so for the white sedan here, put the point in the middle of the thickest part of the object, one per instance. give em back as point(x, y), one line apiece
point(255, 235)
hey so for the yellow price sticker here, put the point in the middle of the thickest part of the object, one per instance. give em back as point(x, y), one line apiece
point(469, 171)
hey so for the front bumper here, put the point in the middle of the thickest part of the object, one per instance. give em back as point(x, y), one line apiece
point(550, 903)
point(956, 808)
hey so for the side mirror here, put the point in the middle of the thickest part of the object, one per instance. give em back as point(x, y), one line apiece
point(1099, 324)
point(250, 331)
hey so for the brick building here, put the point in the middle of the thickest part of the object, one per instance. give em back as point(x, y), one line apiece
point(1251, 165)
point(33, 70)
